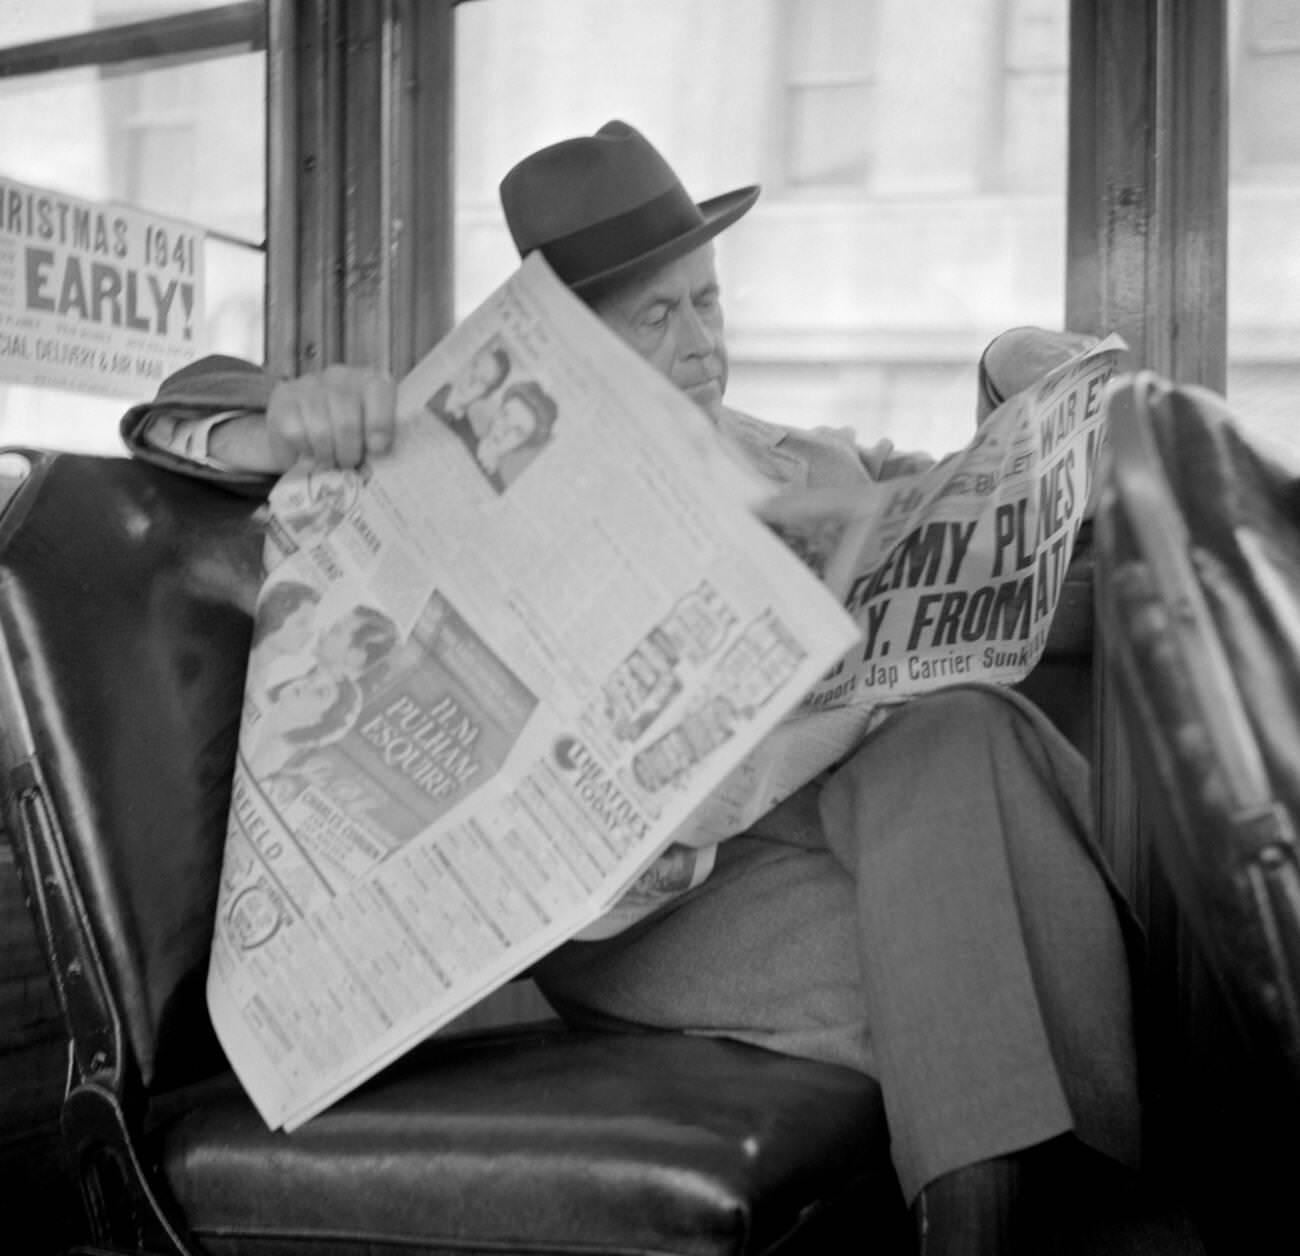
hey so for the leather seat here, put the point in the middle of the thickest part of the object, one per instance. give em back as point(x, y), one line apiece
point(126, 595)
point(539, 1139)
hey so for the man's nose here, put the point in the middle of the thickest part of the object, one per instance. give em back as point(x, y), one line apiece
point(697, 337)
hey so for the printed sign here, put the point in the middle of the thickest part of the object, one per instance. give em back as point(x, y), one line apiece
point(93, 297)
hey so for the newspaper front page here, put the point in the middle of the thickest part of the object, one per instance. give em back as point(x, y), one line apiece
point(492, 676)
point(953, 575)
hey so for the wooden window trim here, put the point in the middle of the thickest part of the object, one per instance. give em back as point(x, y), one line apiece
point(359, 266)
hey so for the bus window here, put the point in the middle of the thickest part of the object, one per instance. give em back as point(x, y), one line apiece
point(912, 157)
point(156, 124)
point(1264, 218)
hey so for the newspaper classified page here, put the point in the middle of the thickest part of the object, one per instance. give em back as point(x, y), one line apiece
point(493, 675)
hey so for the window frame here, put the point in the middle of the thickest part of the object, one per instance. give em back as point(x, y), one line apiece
point(178, 37)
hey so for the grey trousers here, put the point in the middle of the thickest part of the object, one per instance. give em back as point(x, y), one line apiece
point(933, 914)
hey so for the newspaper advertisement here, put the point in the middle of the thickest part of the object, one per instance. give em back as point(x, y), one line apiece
point(97, 298)
point(492, 675)
point(953, 575)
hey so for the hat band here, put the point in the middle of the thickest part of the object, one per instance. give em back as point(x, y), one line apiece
point(612, 242)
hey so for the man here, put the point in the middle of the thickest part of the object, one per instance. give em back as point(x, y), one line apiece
point(930, 911)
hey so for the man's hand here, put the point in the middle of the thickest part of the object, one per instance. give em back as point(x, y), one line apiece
point(335, 418)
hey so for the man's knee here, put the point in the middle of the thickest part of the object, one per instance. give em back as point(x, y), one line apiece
point(956, 720)
point(949, 763)
point(967, 708)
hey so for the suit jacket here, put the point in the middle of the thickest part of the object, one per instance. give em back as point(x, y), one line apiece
point(794, 457)
point(210, 385)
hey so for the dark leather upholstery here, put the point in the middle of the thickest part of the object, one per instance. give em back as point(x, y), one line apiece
point(1061, 682)
point(542, 1140)
point(125, 596)
point(127, 613)
point(1200, 538)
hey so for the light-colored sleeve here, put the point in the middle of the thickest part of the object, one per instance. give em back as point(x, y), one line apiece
point(884, 462)
point(179, 439)
point(187, 437)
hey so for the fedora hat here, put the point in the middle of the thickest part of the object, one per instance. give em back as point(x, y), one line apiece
point(604, 208)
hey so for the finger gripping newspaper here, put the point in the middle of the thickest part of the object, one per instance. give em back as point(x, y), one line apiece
point(493, 676)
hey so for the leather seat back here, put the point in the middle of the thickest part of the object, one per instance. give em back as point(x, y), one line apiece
point(126, 596)
point(1199, 537)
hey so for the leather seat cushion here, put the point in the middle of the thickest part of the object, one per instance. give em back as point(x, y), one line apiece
point(540, 1139)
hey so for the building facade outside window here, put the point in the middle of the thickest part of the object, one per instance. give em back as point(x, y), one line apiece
point(912, 154)
point(827, 110)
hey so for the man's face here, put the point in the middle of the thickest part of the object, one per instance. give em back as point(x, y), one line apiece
point(296, 628)
point(512, 426)
point(335, 648)
point(305, 699)
point(479, 378)
point(673, 319)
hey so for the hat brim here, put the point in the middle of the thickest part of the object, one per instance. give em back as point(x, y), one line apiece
point(718, 212)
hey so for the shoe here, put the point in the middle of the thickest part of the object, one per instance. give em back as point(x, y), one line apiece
point(976, 1210)
point(1020, 357)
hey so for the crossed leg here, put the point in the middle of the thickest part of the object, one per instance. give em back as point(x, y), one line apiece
point(935, 918)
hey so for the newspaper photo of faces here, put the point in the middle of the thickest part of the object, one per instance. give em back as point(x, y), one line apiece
point(504, 420)
point(316, 507)
point(391, 732)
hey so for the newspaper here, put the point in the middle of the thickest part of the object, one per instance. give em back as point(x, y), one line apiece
point(953, 575)
point(492, 677)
